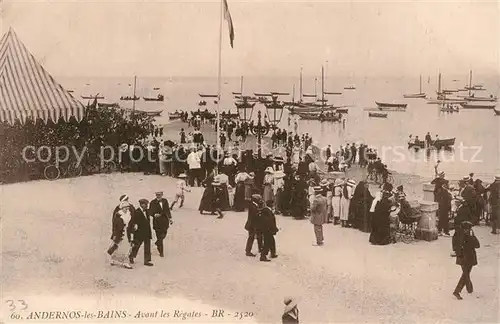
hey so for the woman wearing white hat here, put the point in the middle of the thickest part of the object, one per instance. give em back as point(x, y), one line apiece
point(268, 193)
point(347, 191)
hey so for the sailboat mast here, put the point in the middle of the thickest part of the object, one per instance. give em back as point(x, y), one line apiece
point(420, 84)
point(439, 84)
point(322, 85)
point(470, 82)
point(315, 89)
point(133, 98)
point(293, 93)
point(241, 87)
point(300, 96)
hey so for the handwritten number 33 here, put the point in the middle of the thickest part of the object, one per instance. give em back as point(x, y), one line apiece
point(12, 304)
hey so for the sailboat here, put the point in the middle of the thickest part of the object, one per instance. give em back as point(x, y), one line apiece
point(245, 101)
point(472, 96)
point(416, 95)
point(442, 97)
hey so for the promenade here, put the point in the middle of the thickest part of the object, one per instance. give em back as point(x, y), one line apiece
point(55, 236)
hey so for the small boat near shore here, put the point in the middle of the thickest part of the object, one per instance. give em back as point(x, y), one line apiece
point(154, 113)
point(487, 99)
point(208, 95)
point(158, 98)
point(321, 117)
point(128, 98)
point(440, 143)
point(385, 105)
point(92, 97)
point(108, 105)
point(482, 105)
point(497, 112)
point(299, 110)
point(377, 114)
point(333, 93)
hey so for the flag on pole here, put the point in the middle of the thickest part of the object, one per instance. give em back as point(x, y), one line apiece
point(227, 16)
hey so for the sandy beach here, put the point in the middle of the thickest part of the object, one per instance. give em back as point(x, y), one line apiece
point(205, 267)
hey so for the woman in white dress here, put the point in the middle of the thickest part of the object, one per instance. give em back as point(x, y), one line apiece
point(120, 248)
point(337, 195)
point(347, 191)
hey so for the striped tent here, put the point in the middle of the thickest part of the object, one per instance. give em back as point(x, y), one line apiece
point(27, 90)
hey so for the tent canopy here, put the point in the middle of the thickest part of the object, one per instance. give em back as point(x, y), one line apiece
point(27, 90)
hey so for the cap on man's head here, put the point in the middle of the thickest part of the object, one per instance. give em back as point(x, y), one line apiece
point(143, 201)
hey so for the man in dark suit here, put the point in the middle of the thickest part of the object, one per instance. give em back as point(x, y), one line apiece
point(252, 225)
point(141, 229)
point(159, 209)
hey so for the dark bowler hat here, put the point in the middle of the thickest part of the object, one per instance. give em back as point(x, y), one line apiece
point(143, 201)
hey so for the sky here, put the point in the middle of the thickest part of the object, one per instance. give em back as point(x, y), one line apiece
point(272, 38)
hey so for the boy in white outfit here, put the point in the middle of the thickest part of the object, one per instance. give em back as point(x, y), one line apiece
point(181, 188)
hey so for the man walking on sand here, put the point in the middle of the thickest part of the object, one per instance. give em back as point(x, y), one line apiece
point(159, 209)
point(319, 215)
point(142, 233)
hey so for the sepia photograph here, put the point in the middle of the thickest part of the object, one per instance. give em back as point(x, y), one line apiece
point(249, 161)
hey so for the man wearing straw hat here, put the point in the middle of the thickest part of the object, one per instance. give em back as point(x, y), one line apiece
point(319, 214)
point(494, 190)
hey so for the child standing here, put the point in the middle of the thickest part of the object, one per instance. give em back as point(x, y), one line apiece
point(181, 188)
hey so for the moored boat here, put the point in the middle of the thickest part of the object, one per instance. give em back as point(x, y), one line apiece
point(321, 117)
point(208, 95)
point(298, 110)
point(262, 94)
point(377, 114)
point(309, 95)
point(108, 105)
point(154, 113)
point(350, 88)
point(343, 110)
point(497, 112)
point(280, 93)
point(488, 99)
point(482, 105)
point(333, 93)
point(134, 98)
point(415, 96)
point(382, 105)
point(92, 97)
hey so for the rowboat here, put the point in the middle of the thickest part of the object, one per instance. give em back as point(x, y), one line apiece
point(377, 114)
point(126, 98)
point(299, 110)
point(382, 105)
point(158, 98)
point(153, 113)
point(483, 105)
point(440, 143)
point(414, 95)
point(208, 95)
point(320, 117)
point(92, 97)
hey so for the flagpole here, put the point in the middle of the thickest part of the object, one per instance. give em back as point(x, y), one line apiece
point(219, 77)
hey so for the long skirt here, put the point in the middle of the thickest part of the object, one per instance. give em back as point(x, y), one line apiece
point(336, 206)
point(206, 203)
point(248, 191)
point(224, 198)
point(268, 194)
point(239, 197)
point(344, 209)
